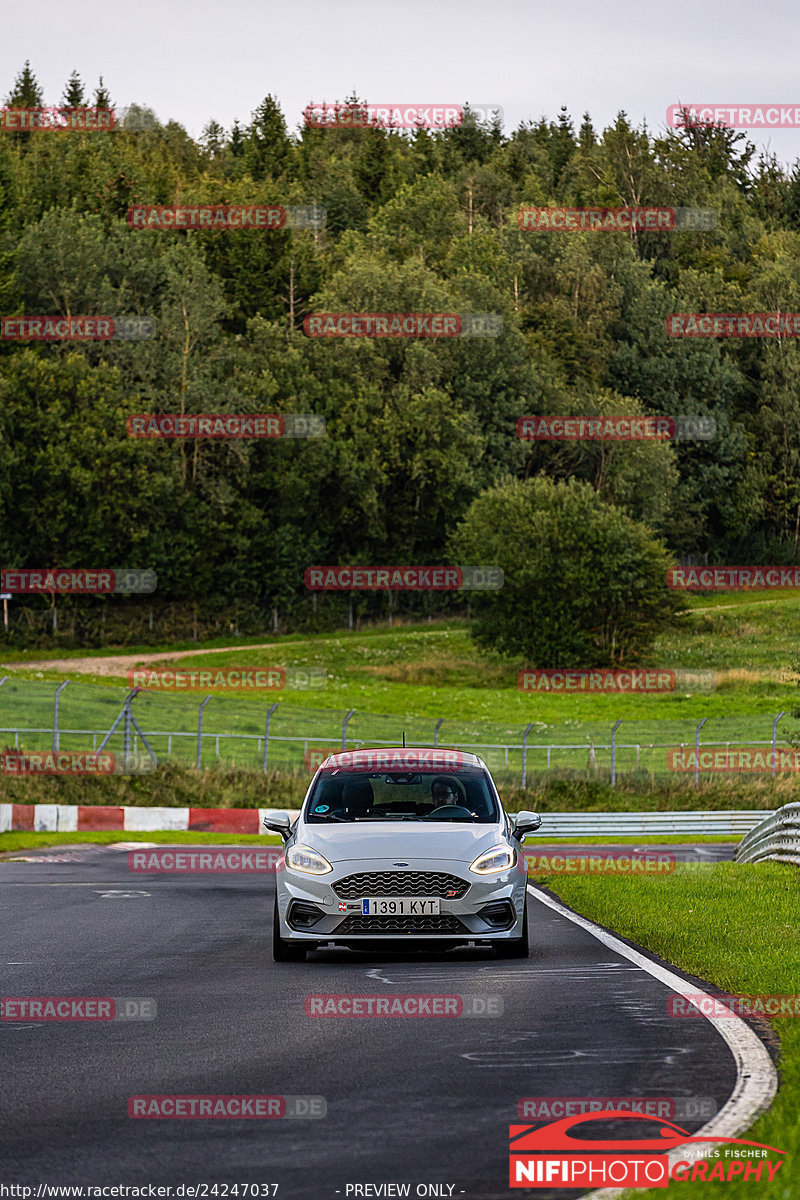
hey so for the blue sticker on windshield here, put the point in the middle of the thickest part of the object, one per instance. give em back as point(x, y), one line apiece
point(322, 808)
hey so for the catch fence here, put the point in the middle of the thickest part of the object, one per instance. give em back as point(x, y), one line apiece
point(254, 734)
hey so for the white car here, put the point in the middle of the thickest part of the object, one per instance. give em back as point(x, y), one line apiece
point(401, 846)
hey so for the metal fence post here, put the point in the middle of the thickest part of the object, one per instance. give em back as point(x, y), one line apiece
point(614, 753)
point(439, 724)
point(59, 690)
point(270, 711)
point(345, 723)
point(525, 755)
point(128, 723)
point(126, 716)
point(126, 730)
point(203, 703)
point(774, 728)
point(697, 751)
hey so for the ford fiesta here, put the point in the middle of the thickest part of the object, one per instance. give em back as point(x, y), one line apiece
point(408, 846)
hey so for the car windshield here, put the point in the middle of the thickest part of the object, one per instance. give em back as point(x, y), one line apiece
point(340, 795)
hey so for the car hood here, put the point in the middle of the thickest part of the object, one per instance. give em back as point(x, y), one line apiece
point(390, 840)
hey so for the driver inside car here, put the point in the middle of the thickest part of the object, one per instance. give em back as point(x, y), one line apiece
point(444, 792)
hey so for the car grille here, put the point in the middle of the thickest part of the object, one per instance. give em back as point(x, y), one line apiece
point(401, 883)
point(440, 924)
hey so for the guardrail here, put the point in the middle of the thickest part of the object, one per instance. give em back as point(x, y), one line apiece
point(605, 824)
point(70, 818)
point(776, 838)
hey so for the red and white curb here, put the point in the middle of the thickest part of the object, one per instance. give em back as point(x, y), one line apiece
point(78, 818)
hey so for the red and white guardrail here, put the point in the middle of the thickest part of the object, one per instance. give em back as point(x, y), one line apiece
point(83, 818)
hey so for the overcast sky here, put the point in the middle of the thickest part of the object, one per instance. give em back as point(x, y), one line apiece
point(191, 60)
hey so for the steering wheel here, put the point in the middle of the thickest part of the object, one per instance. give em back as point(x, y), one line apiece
point(450, 809)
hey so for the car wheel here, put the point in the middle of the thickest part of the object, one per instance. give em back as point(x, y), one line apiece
point(516, 947)
point(283, 951)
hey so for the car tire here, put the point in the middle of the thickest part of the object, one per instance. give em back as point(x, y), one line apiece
point(283, 951)
point(516, 947)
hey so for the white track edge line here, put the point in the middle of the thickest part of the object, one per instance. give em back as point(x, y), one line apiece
point(756, 1077)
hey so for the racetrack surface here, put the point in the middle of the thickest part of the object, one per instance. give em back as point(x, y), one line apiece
point(427, 1101)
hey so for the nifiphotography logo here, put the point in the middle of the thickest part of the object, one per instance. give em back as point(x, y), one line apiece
point(551, 1156)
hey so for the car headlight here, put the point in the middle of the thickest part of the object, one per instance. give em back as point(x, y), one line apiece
point(311, 862)
point(498, 859)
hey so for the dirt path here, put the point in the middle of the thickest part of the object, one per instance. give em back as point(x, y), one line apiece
point(119, 664)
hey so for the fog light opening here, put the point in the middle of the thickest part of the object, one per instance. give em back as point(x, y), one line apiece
point(303, 915)
point(500, 914)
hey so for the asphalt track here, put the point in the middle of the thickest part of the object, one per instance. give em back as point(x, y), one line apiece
point(423, 1101)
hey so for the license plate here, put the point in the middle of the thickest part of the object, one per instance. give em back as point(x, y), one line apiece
point(400, 906)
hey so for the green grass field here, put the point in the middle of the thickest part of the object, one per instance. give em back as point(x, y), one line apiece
point(25, 840)
point(734, 926)
point(10, 842)
point(405, 678)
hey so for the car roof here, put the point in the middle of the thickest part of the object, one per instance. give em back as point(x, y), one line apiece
point(402, 758)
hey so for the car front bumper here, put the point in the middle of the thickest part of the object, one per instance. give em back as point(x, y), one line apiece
point(295, 887)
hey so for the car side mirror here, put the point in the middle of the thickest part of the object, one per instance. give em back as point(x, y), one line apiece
point(279, 822)
point(525, 822)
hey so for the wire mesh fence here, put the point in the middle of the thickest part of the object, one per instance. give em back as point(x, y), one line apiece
point(263, 734)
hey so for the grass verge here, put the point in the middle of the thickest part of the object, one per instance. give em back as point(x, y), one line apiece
point(173, 785)
point(25, 840)
point(735, 926)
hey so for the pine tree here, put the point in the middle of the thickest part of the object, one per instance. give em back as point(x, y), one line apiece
point(587, 136)
point(562, 142)
point(237, 140)
point(27, 91)
point(213, 139)
point(267, 144)
point(73, 96)
point(102, 96)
